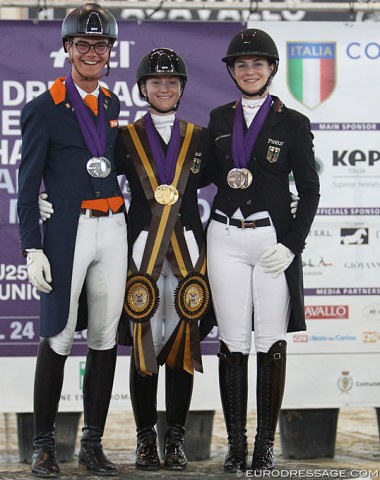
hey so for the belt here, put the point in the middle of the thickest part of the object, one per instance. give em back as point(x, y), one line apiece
point(261, 222)
point(99, 213)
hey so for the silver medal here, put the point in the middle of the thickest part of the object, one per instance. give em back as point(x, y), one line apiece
point(247, 175)
point(99, 167)
point(235, 178)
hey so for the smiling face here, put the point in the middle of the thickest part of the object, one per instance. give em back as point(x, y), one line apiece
point(89, 55)
point(163, 92)
point(251, 73)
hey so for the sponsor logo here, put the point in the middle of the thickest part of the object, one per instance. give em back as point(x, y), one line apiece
point(345, 382)
point(354, 236)
point(300, 338)
point(320, 233)
point(332, 338)
point(372, 311)
point(371, 337)
point(82, 366)
point(311, 71)
point(362, 265)
point(322, 312)
point(355, 158)
point(316, 263)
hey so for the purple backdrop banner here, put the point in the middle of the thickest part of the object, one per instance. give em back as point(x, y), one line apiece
point(38, 59)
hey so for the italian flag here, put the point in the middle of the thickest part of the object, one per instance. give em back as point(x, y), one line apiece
point(311, 71)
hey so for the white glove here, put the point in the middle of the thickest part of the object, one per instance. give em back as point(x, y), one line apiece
point(294, 204)
point(45, 207)
point(277, 259)
point(39, 273)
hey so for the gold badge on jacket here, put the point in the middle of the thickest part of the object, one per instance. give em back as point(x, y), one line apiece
point(273, 153)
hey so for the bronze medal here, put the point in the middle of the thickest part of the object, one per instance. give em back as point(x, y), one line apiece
point(192, 297)
point(248, 177)
point(235, 178)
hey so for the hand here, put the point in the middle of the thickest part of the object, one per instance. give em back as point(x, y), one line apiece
point(277, 259)
point(45, 207)
point(294, 204)
point(39, 273)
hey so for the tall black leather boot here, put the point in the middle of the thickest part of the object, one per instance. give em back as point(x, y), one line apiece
point(48, 383)
point(178, 392)
point(143, 390)
point(271, 367)
point(233, 383)
point(97, 389)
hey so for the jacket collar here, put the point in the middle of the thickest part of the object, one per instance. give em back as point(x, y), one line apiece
point(58, 91)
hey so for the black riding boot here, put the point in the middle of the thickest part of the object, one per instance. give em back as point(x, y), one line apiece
point(271, 368)
point(178, 391)
point(48, 382)
point(97, 389)
point(233, 383)
point(143, 389)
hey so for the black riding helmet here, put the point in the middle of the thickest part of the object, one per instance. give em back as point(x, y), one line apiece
point(89, 20)
point(252, 42)
point(161, 61)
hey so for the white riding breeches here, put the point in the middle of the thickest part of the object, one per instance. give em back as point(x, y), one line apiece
point(240, 287)
point(165, 319)
point(100, 263)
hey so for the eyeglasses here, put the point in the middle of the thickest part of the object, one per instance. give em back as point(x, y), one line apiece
point(84, 47)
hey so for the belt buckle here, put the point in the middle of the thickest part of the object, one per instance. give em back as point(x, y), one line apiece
point(250, 224)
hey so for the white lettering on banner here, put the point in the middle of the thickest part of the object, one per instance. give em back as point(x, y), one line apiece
point(19, 331)
point(13, 211)
point(10, 120)
point(356, 50)
point(6, 181)
point(120, 49)
point(13, 291)
point(237, 15)
point(15, 93)
point(10, 151)
point(13, 272)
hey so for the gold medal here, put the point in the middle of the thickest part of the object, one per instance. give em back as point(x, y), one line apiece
point(166, 194)
point(235, 178)
point(248, 177)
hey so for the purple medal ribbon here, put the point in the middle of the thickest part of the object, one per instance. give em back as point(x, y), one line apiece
point(94, 135)
point(165, 163)
point(242, 145)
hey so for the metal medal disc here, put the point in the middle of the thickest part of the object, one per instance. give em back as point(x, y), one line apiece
point(166, 194)
point(175, 194)
point(99, 167)
point(235, 178)
point(248, 177)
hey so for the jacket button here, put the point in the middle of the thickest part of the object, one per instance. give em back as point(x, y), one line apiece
point(228, 157)
point(98, 193)
point(249, 202)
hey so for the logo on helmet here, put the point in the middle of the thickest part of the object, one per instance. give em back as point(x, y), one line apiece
point(94, 24)
point(248, 37)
